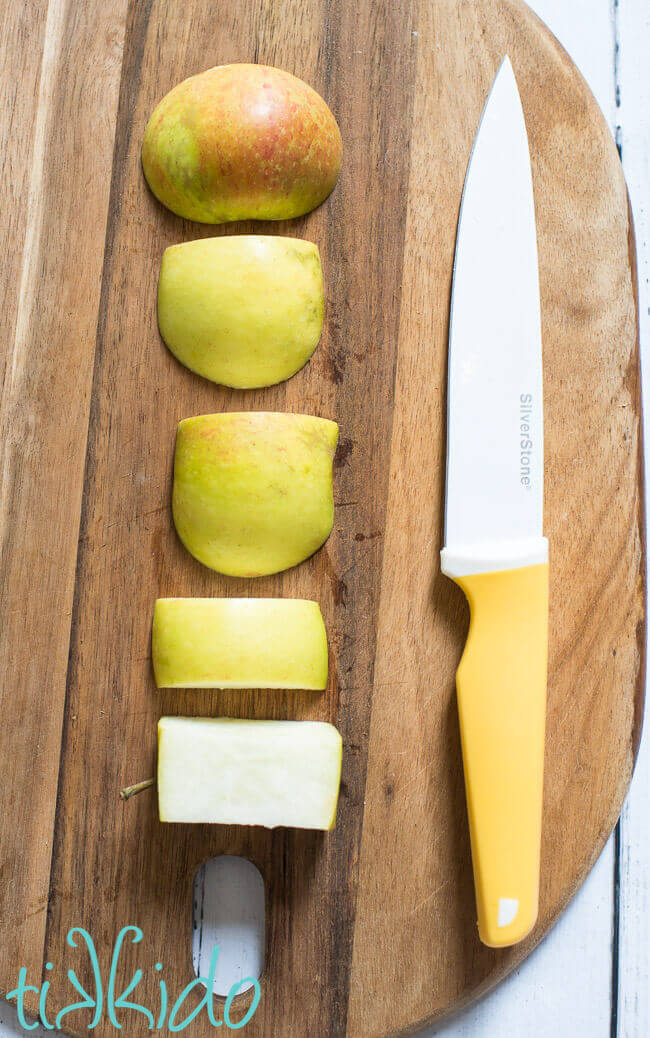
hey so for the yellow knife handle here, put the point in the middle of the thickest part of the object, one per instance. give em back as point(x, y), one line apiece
point(501, 685)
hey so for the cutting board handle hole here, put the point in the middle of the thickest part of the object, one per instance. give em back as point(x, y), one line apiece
point(229, 911)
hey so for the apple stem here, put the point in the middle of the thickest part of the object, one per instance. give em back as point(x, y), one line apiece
point(131, 791)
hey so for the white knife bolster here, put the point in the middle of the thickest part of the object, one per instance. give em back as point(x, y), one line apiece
point(464, 560)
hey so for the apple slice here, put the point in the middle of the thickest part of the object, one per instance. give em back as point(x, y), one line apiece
point(253, 492)
point(241, 142)
point(245, 310)
point(234, 772)
point(239, 643)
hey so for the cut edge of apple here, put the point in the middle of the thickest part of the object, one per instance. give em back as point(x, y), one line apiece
point(231, 771)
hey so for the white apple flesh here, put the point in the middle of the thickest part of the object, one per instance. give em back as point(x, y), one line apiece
point(238, 772)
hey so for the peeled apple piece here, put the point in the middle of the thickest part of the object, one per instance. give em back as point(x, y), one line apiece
point(245, 310)
point(241, 142)
point(234, 772)
point(253, 491)
point(239, 643)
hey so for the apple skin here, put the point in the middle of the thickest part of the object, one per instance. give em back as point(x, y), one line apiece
point(253, 491)
point(227, 771)
point(245, 310)
point(241, 142)
point(239, 643)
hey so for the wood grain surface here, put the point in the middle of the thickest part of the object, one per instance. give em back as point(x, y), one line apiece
point(370, 929)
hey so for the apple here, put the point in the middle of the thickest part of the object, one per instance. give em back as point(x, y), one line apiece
point(252, 491)
point(245, 310)
point(236, 772)
point(239, 643)
point(241, 142)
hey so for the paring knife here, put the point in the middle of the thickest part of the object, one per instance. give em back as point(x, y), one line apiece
point(494, 547)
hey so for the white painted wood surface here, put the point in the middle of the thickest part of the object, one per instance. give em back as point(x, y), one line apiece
point(229, 911)
point(590, 978)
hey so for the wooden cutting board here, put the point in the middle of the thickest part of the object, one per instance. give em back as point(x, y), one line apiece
point(371, 929)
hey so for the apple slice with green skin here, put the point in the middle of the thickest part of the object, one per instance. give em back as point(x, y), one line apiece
point(253, 492)
point(239, 643)
point(236, 772)
point(241, 142)
point(245, 310)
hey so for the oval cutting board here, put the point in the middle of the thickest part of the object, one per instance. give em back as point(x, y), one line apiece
point(371, 929)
